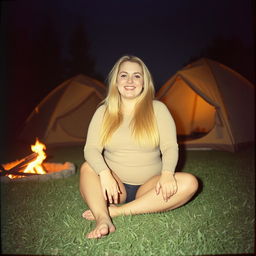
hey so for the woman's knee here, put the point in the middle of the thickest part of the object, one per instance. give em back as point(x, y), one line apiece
point(86, 173)
point(188, 183)
point(85, 167)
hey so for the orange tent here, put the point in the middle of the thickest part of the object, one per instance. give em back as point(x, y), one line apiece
point(212, 105)
point(64, 114)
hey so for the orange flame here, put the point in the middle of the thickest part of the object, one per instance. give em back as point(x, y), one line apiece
point(34, 166)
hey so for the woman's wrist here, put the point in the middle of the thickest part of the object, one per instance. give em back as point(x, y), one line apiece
point(169, 173)
point(104, 172)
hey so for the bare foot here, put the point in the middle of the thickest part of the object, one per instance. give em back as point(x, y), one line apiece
point(103, 228)
point(112, 212)
point(88, 215)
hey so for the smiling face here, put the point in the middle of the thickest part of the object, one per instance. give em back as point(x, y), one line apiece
point(130, 80)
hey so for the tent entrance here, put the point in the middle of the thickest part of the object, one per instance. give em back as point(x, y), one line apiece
point(194, 117)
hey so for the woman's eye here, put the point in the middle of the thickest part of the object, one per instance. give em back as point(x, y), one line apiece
point(123, 75)
point(137, 76)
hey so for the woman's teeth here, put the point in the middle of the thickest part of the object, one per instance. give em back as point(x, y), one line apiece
point(129, 87)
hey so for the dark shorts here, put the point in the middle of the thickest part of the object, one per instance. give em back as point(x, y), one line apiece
point(130, 192)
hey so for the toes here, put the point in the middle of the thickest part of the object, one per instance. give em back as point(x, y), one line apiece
point(104, 230)
point(112, 229)
point(101, 231)
point(89, 235)
point(97, 234)
point(93, 234)
point(88, 215)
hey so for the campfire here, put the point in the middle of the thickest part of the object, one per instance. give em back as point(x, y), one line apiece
point(33, 165)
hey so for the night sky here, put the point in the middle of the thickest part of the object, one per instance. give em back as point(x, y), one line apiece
point(165, 34)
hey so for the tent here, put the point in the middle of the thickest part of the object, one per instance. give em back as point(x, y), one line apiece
point(63, 116)
point(212, 105)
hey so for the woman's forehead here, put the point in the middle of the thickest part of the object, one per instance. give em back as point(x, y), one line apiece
point(130, 67)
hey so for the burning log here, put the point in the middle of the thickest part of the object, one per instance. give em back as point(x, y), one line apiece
point(17, 168)
point(4, 172)
point(32, 166)
point(54, 171)
point(24, 162)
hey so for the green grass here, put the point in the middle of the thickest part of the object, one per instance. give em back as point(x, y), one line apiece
point(45, 217)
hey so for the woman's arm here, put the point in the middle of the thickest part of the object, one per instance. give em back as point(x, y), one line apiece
point(93, 148)
point(93, 155)
point(168, 137)
point(169, 148)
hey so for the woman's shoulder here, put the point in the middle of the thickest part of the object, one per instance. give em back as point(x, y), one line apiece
point(158, 105)
point(101, 108)
point(100, 111)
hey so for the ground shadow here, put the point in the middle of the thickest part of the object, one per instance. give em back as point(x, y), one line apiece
point(182, 158)
point(180, 166)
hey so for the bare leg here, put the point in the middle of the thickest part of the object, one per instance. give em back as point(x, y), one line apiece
point(91, 192)
point(147, 201)
point(90, 189)
point(89, 215)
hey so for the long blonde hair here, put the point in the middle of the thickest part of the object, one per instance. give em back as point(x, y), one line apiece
point(143, 124)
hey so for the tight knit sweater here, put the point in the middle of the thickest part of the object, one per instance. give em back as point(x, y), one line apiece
point(133, 163)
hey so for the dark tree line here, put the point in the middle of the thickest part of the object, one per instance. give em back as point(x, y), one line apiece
point(79, 59)
point(35, 64)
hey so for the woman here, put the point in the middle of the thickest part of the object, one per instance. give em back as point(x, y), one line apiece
point(131, 152)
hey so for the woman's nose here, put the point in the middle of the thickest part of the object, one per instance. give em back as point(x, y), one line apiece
point(130, 80)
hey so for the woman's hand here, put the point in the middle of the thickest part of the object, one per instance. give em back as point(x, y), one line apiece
point(109, 186)
point(167, 184)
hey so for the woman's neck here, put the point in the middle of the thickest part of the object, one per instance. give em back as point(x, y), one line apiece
point(128, 106)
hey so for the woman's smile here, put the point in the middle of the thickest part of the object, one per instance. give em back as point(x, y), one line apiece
point(130, 80)
point(129, 88)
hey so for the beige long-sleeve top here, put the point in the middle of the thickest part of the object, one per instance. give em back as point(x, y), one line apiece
point(134, 164)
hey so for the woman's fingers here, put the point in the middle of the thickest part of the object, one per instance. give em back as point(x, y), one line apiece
point(104, 191)
point(157, 188)
point(163, 189)
point(168, 190)
point(109, 186)
point(175, 188)
point(115, 197)
point(112, 195)
point(109, 196)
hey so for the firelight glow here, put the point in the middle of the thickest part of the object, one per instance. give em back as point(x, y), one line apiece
point(35, 166)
